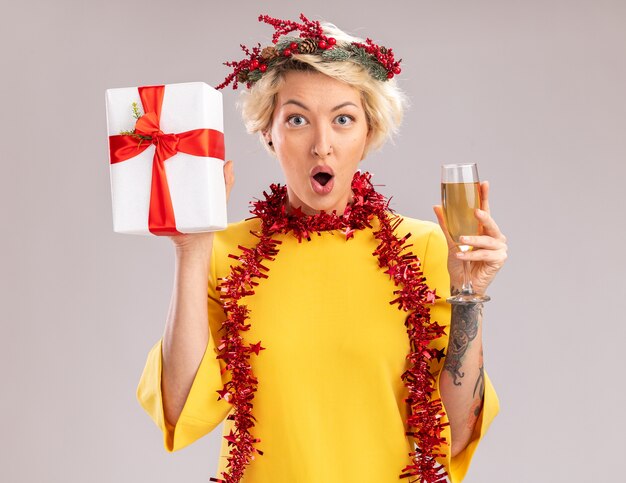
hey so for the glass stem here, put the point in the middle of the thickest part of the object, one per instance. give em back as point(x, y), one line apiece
point(467, 282)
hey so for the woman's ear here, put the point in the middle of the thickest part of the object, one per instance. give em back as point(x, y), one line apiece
point(268, 140)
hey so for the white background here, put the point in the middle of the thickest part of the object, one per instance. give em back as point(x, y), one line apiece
point(533, 91)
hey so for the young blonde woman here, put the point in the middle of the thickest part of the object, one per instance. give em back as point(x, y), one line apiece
point(325, 343)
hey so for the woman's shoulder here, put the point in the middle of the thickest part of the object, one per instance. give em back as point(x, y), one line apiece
point(418, 228)
point(424, 235)
point(427, 241)
point(238, 232)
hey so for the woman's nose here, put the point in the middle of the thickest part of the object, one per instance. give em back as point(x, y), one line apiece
point(322, 142)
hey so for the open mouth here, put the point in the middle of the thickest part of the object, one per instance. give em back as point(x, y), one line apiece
point(323, 178)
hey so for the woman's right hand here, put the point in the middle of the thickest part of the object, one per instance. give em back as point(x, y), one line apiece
point(204, 239)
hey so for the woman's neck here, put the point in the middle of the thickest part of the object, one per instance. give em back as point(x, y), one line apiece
point(311, 212)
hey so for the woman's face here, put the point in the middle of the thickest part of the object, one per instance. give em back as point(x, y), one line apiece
point(318, 125)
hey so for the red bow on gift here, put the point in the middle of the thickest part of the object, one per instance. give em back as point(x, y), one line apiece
point(197, 142)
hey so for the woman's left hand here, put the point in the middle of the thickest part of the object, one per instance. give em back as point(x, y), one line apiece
point(489, 252)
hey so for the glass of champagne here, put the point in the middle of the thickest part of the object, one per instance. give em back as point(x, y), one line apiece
point(460, 196)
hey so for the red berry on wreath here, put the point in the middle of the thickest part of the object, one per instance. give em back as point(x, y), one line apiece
point(263, 67)
point(287, 52)
point(293, 45)
point(397, 70)
point(389, 75)
point(254, 63)
point(322, 44)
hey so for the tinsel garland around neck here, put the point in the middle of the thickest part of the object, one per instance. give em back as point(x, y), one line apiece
point(424, 420)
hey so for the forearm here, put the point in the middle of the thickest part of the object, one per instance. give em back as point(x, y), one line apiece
point(186, 331)
point(462, 382)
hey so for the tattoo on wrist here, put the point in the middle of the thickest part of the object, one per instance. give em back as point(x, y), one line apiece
point(463, 330)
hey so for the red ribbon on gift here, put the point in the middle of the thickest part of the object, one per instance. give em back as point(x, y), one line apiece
point(197, 142)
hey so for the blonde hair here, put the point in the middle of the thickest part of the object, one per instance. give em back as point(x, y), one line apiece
point(383, 101)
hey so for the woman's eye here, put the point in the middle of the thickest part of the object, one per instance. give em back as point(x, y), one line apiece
point(344, 120)
point(296, 120)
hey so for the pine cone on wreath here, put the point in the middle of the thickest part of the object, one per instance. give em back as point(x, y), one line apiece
point(269, 53)
point(307, 46)
point(242, 76)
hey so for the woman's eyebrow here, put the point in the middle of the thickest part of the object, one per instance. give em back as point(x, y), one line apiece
point(344, 104)
point(297, 103)
point(336, 108)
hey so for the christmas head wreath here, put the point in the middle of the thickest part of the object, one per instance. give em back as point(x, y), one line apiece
point(378, 60)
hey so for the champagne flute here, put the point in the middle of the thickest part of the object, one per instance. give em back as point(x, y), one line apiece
point(460, 196)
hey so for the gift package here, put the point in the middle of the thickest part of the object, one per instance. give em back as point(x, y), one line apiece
point(166, 153)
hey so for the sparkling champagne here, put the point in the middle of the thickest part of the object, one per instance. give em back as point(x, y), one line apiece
point(460, 196)
point(459, 202)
